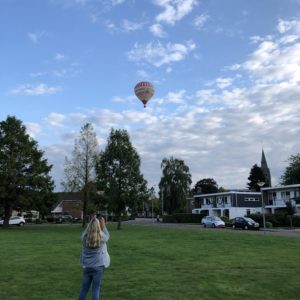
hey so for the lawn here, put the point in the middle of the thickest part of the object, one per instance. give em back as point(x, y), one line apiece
point(42, 262)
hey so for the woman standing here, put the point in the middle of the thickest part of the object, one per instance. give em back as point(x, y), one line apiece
point(93, 257)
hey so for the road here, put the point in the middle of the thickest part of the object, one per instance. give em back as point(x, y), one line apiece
point(267, 232)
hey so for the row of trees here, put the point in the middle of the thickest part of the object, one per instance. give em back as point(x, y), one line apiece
point(109, 179)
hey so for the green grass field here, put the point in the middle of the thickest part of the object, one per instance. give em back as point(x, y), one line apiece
point(42, 262)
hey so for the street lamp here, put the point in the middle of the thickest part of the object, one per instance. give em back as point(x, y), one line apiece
point(162, 201)
point(261, 184)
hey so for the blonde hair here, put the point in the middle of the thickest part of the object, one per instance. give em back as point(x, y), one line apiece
point(94, 234)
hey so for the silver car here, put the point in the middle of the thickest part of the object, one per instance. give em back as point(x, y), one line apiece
point(212, 221)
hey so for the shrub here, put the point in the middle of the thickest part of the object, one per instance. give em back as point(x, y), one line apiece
point(269, 225)
point(226, 221)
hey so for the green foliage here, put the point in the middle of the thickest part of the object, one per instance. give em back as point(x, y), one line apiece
point(226, 221)
point(206, 186)
point(183, 218)
point(118, 174)
point(277, 220)
point(256, 176)
point(269, 225)
point(25, 182)
point(174, 184)
point(292, 172)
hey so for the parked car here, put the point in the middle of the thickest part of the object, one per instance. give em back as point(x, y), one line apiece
point(212, 221)
point(15, 220)
point(244, 223)
point(63, 218)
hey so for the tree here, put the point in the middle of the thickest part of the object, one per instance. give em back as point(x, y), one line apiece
point(256, 176)
point(24, 173)
point(174, 184)
point(80, 168)
point(205, 186)
point(292, 172)
point(290, 211)
point(119, 176)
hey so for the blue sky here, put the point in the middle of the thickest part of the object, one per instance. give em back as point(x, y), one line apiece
point(226, 76)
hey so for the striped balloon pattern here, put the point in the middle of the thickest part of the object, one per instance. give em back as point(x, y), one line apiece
point(144, 91)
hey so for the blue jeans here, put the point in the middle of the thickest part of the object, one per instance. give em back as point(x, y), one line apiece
point(91, 275)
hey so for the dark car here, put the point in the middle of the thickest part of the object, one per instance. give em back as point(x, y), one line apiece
point(244, 223)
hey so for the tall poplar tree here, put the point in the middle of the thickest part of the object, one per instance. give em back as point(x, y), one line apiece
point(24, 172)
point(80, 168)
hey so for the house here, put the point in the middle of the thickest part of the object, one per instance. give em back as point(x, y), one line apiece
point(70, 203)
point(229, 204)
point(274, 198)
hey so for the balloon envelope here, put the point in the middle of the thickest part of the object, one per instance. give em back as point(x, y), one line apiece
point(144, 91)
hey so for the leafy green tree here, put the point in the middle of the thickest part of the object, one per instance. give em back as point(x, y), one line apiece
point(24, 173)
point(119, 175)
point(174, 184)
point(292, 172)
point(205, 186)
point(80, 168)
point(256, 176)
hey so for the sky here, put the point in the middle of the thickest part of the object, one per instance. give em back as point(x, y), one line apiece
point(226, 76)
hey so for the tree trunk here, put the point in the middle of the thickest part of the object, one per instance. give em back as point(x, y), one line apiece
point(7, 214)
point(291, 221)
point(84, 208)
point(119, 221)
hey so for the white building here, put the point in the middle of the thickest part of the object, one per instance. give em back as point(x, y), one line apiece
point(275, 198)
point(230, 204)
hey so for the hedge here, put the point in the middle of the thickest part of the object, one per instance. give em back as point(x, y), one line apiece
point(277, 220)
point(183, 218)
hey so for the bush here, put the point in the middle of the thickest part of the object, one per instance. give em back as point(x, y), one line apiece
point(269, 225)
point(183, 218)
point(226, 220)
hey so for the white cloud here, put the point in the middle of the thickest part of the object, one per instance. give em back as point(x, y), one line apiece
point(37, 74)
point(159, 54)
point(274, 61)
point(60, 56)
point(223, 82)
point(110, 25)
point(66, 72)
point(174, 10)
point(55, 119)
point(117, 2)
point(157, 30)
point(176, 97)
point(33, 129)
point(129, 26)
point(35, 36)
point(30, 90)
point(200, 20)
point(288, 25)
point(142, 74)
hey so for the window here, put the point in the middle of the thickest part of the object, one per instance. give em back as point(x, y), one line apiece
point(251, 199)
point(248, 212)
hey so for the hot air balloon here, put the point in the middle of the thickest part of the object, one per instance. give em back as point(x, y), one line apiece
point(144, 91)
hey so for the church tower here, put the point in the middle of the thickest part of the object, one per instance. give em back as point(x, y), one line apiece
point(265, 169)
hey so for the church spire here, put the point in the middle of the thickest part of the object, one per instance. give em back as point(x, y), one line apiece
point(265, 169)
